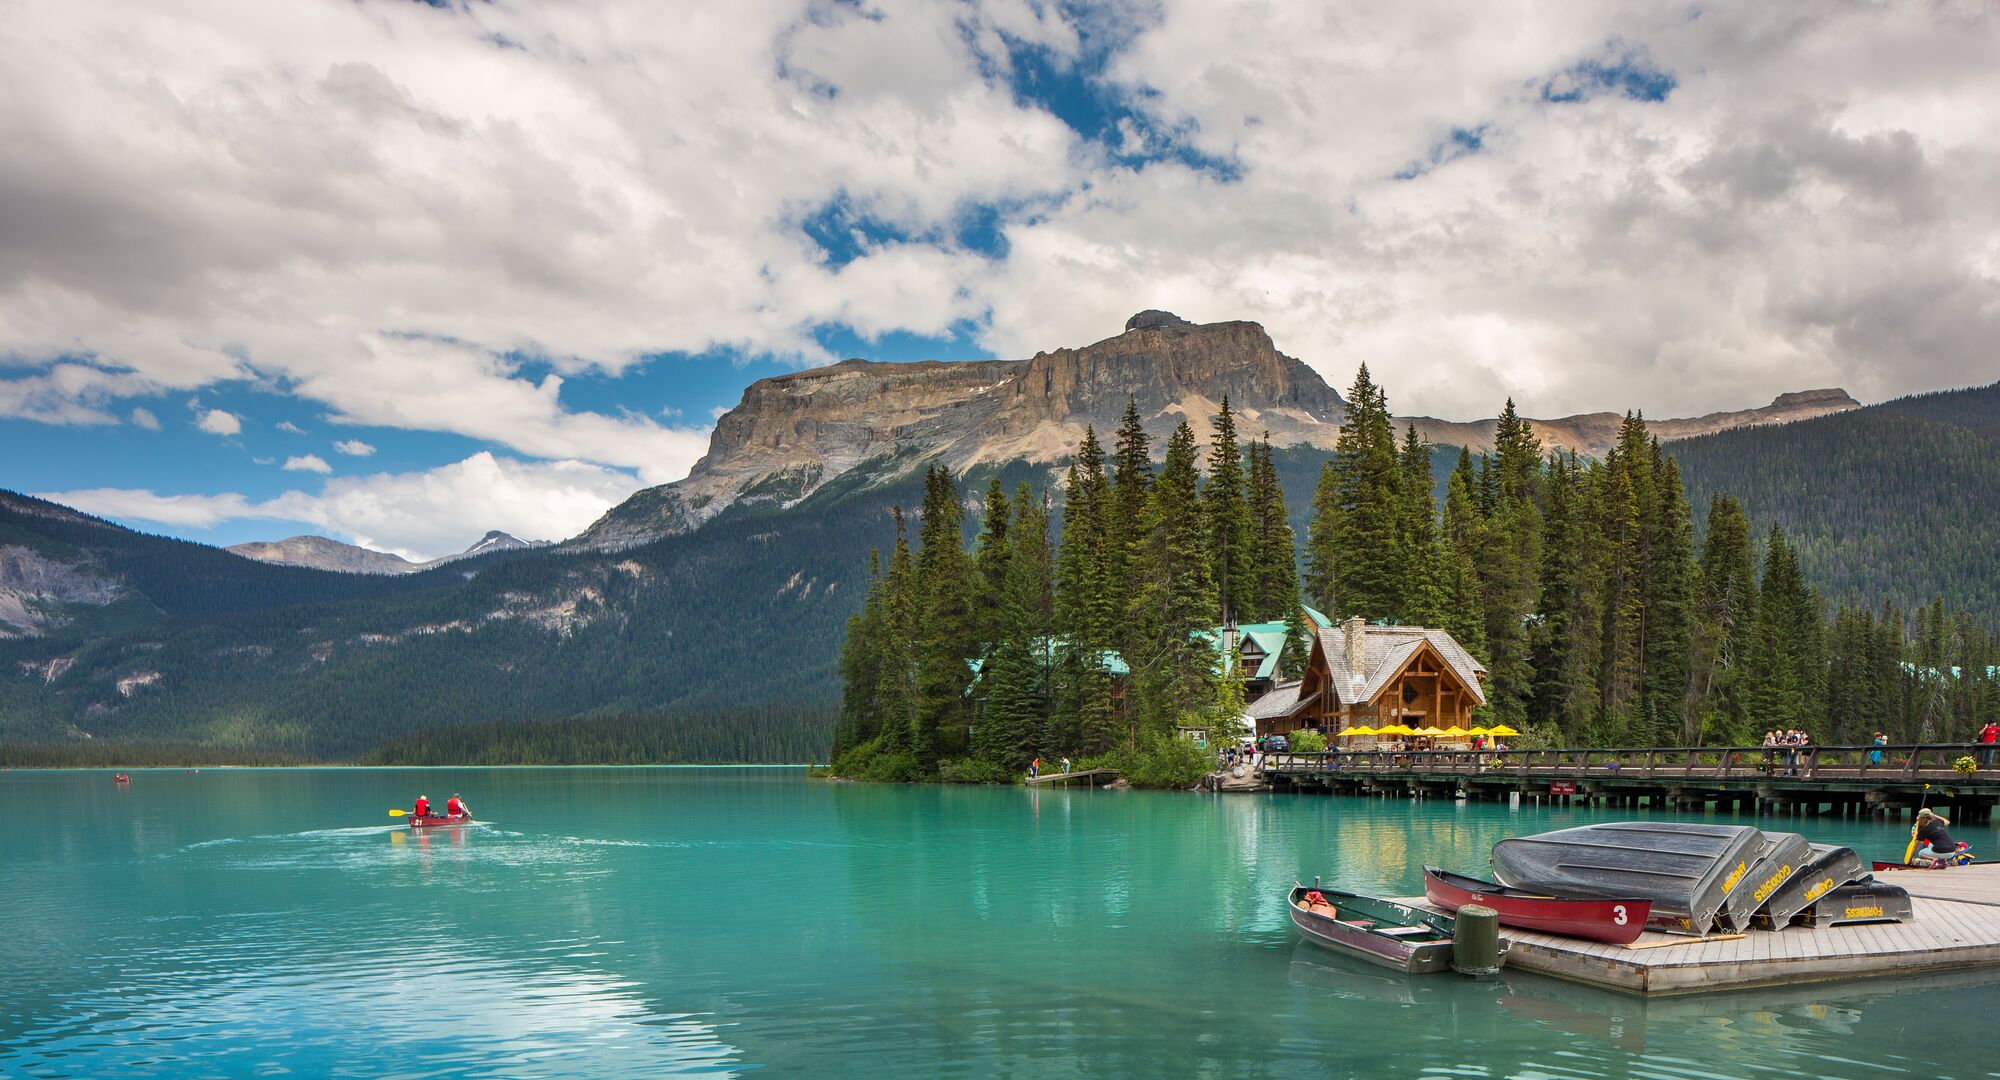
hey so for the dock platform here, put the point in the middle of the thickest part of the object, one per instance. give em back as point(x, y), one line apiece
point(1956, 926)
point(1088, 778)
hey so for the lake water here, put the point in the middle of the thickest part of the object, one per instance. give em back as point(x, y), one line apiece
point(638, 922)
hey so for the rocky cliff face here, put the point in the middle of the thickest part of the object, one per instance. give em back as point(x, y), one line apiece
point(795, 433)
point(35, 588)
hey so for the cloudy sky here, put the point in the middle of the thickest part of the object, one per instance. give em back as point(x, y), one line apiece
point(401, 272)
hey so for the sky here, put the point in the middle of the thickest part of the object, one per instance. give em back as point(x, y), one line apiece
point(400, 272)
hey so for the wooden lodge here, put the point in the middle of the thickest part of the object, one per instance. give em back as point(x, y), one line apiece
point(1370, 676)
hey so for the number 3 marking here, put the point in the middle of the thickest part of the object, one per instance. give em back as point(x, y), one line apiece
point(1618, 914)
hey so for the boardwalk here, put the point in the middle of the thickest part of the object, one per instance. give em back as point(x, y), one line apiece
point(1807, 779)
point(1957, 926)
point(1088, 778)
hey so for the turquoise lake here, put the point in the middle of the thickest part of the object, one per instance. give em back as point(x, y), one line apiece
point(641, 922)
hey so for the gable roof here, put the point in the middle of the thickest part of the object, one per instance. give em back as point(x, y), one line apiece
point(1386, 651)
point(1283, 700)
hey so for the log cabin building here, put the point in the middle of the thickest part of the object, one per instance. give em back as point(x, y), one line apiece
point(1362, 675)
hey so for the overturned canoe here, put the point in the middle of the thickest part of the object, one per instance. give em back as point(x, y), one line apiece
point(1826, 868)
point(1686, 870)
point(1865, 901)
point(1617, 920)
point(1778, 858)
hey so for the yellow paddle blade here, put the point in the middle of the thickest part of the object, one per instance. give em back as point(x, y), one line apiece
point(399, 813)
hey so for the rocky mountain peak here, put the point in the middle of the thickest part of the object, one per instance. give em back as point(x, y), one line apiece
point(1154, 319)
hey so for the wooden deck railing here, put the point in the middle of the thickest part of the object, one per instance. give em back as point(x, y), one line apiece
point(1902, 762)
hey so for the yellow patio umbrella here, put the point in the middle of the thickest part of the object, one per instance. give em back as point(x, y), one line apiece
point(1456, 732)
point(1431, 730)
point(1480, 731)
point(1346, 731)
point(1503, 730)
point(1394, 729)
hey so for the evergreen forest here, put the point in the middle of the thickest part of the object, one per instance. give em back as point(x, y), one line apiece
point(1581, 584)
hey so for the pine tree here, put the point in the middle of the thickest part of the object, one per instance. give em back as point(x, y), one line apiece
point(1322, 577)
point(1274, 559)
point(1086, 621)
point(1628, 487)
point(947, 634)
point(991, 563)
point(1174, 670)
point(898, 695)
point(1224, 503)
point(861, 653)
point(1787, 675)
point(1423, 570)
point(1567, 639)
point(1016, 722)
point(1671, 574)
point(1725, 616)
point(1371, 549)
point(1131, 492)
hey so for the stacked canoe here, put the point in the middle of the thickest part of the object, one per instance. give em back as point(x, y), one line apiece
point(1675, 877)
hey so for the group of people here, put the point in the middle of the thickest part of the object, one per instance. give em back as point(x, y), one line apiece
point(453, 807)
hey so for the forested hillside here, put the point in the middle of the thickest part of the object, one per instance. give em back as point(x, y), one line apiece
point(1898, 501)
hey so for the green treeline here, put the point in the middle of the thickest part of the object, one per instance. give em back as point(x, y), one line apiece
point(102, 755)
point(722, 736)
point(1580, 584)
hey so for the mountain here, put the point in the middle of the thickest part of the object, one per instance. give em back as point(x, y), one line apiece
point(792, 434)
point(1898, 501)
point(323, 553)
point(708, 633)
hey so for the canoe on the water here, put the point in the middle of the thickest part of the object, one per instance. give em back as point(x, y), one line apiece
point(1617, 920)
point(1878, 865)
point(438, 819)
point(1687, 870)
point(1384, 932)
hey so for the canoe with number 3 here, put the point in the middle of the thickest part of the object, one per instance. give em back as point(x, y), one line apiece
point(1617, 920)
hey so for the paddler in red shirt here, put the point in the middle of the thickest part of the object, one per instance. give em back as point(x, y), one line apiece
point(423, 806)
point(455, 806)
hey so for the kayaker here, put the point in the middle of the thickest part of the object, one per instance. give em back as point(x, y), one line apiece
point(455, 806)
point(423, 806)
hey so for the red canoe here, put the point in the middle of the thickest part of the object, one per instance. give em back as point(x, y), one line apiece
point(438, 819)
point(1615, 920)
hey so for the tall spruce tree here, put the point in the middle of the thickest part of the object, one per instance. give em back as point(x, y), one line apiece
point(991, 563)
point(1274, 560)
point(1568, 638)
point(1671, 574)
point(1787, 675)
point(861, 667)
point(1227, 508)
point(1174, 671)
point(1016, 721)
point(1725, 614)
point(899, 695)
point(1371, 543)
point(947, 632)
point(1424, 570)
point(1628, 488)
point(1087, 622)
point(1131, 492)
point(1323, 530)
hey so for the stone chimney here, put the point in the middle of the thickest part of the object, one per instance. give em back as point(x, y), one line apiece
point(1357, 651)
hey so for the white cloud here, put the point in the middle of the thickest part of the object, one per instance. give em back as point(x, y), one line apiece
point(419, 515)
point(307, 463)
point(143, 417)
point(354, 448)
point(290, 428)
point(379, 206)
point(218, 422)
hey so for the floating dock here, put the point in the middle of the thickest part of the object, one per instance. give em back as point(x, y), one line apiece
point(1956, 926)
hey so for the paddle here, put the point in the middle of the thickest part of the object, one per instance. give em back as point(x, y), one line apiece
point(399, 813)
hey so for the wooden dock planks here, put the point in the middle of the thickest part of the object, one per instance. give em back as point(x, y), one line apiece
point(1954, 931)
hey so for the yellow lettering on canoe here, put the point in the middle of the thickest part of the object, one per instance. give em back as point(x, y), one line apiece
point(1735, 876)
point(1864, 913)
point(1771, 883)
point(1819, 889)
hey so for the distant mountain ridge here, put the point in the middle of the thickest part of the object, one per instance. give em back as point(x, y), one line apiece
point(795, 433)
point(325, 553)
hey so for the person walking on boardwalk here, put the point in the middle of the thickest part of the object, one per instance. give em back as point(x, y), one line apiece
point(1065, 765)
point(1988, 735)
point(1034, 768)
point(1875, 755)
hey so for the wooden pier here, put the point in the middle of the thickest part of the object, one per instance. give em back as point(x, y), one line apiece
point(1088, 778)
point(1956, 927)
point(1812, 780)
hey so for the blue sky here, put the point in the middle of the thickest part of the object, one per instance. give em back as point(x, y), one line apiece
point(526, 259)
